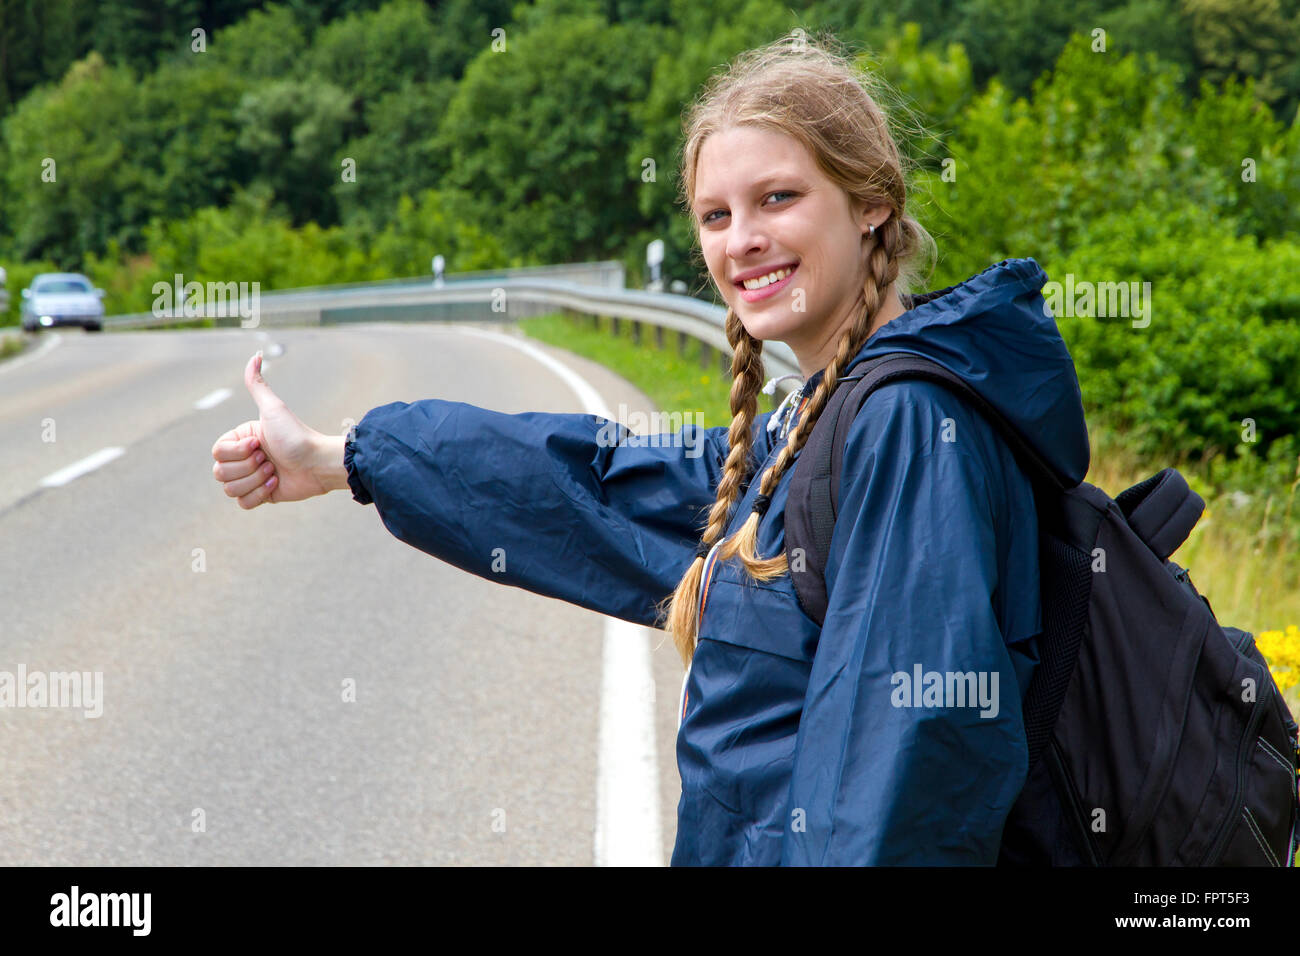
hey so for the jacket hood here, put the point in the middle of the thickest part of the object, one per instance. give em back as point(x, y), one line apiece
point(994, 331)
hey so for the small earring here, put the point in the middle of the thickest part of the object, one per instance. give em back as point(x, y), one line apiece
point(871, 231)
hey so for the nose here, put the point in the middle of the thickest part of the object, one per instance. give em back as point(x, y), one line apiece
point(745, 239)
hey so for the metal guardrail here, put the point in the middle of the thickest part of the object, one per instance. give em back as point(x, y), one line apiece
point(486, 299)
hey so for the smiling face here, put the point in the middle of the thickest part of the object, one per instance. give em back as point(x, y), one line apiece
point(765, 213)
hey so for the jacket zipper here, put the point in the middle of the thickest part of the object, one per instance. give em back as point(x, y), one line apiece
point(780, 422)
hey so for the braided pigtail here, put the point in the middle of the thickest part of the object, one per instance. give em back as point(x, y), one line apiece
point(746, 381)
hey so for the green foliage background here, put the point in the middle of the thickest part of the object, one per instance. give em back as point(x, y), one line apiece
point(502, 133)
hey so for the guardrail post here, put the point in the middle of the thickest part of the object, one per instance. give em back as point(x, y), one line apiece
point(636, 333)
point(681, 344)
point(659, 336)
point(613, 325)
point(724, 363)
point(705, 356)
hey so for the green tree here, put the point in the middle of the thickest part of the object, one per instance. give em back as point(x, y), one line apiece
point(184, 141)
point(294, 129)
point(376, 52)
point(268, 44)
point(434, 223)
point(39, 40)
point(396, 156)
point(1017, 41)
point(1118, 178)
point(70, 181)
point(537, 134)
point(1250, 38)
point(1102, 133)
point(462, 29)
point(247, 241)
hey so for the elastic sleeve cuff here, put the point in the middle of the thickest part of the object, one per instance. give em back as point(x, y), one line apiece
point(359, 492)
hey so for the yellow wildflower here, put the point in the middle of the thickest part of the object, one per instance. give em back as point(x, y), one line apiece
point(1282, 651)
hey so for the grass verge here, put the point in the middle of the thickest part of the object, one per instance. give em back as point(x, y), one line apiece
point(672, 379)
point(11, 344)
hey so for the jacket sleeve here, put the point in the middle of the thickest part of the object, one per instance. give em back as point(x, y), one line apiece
point(891, 765)
point(569, 506)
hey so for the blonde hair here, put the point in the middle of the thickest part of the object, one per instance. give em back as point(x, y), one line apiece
point(809, 91)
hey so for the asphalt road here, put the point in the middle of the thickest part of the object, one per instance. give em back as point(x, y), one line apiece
point(225, 638)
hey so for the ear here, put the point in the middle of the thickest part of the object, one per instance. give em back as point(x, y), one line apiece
point(864, 215)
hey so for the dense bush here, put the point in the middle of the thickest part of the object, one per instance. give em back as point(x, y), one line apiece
point(246, 242)
point(1108, 175)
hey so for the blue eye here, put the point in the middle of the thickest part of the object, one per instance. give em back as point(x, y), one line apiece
point(709, 218)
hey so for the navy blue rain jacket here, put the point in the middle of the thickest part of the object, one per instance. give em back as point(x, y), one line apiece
point(797, 744)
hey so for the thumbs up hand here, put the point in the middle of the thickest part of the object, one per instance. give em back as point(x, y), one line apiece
point(272, 458)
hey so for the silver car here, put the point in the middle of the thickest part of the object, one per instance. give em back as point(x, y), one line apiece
point(62, 298)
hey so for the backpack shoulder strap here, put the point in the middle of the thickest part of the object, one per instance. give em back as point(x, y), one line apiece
point(1163, 510)
point(815, 487)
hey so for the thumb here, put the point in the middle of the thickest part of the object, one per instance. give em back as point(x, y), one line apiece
point(256, 385)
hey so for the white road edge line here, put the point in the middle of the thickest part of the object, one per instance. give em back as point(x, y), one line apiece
point(212, 399)
point(79, 468)
point(628, 830)
point(54, 340)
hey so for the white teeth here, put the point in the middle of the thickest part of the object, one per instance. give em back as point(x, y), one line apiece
point(764, 281)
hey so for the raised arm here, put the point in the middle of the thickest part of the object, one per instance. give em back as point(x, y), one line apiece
point(571, 506)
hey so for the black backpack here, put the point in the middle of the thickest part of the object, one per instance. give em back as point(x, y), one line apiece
point(1156, 736)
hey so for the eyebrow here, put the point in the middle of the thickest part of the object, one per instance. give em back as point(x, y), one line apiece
point(769, 180)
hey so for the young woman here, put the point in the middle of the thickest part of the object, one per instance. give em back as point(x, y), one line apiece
point(797, 744)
